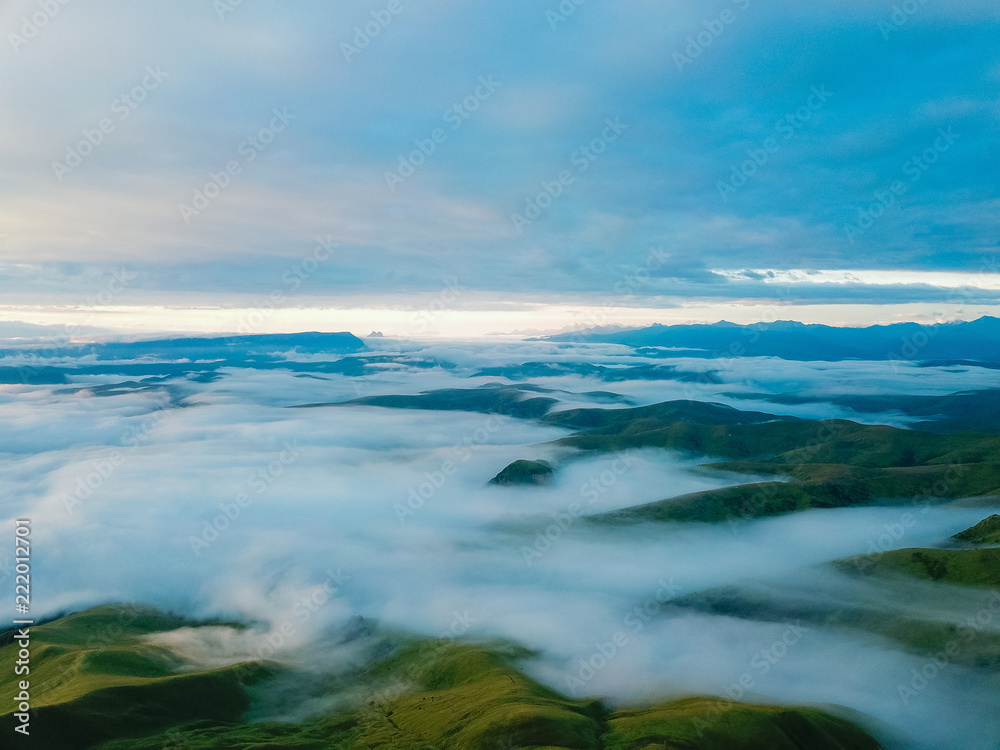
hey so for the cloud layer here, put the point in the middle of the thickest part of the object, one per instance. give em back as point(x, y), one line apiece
point(744, 136)
point(221, 501)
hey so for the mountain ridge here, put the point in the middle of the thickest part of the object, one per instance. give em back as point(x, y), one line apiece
point(977, 340)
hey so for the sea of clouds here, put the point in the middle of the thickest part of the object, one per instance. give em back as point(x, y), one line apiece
point(216, 499)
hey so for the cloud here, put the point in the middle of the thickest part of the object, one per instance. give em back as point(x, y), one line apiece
point(353, 121)
point(235, 506)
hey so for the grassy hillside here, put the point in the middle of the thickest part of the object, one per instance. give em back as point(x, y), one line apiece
point(965, 567)
point(122, 694)
point(744, 501)
point(710, 429)
point(490, 399)
point(524, 472)
point(614, 374)
point(868, 614)
point(710, 724)
point(814, 486)
point(93, 677)
point(964, 411)
point(986, 531)
point(933, 620)
point(832, 463)
point(655, 416)
point(91, 650)
point(779, 440)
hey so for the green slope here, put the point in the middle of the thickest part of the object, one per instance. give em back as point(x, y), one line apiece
point(963, 411)
point(831, 463)
point(814, 486)
point(94, 677)
point(874, 614)
point(965, 567)
point(744, 501)
point(524, 472)
point(134, 710)
point(95, 649)
point(711, 724)
point(513, 400)
point(424, 695)
point(609, 421)
point(834, 441)
point(836, 463)
point(986, 531)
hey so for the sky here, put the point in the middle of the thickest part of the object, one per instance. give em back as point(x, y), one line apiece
point(516, 166)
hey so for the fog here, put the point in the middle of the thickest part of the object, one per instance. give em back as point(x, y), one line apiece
point(217, 500)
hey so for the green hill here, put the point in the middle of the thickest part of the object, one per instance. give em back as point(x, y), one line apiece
point(781, 440)
point(99, 684)
point(963, 411)
point(831, 463)
point(653, 416)
point(962, 567)
point(94, 677)
point(710, 724)
point(524, 472)
point(986, 531)
point(493, 398)
point(867, 610)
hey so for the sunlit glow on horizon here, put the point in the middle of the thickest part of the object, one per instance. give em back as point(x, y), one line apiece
point(77, 323)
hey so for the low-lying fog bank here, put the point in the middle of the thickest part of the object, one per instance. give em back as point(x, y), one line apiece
point(220, 501)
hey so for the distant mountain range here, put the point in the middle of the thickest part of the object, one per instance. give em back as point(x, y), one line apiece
point(182, 356)
point(975, 341)
point(222, 347)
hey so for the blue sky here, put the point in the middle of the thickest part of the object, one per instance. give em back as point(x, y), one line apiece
point(827, 109)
